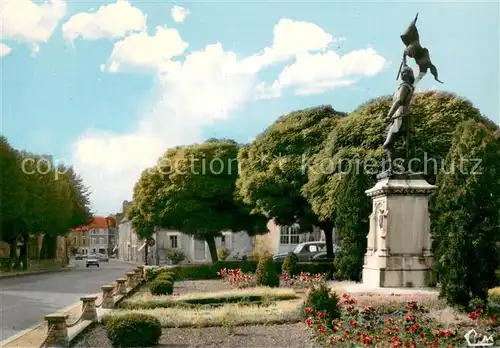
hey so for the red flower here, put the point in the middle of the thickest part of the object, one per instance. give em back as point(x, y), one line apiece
point(308, 310)
point(344, 295)
point(353, 324)
point(322, 315)
point(479, 310)
point(309, 321)
point(410, 317)
point(322, 329)
point(367, 340)
point(494, 316)
point(473, 316)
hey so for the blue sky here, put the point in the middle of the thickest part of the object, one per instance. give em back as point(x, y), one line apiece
point(109, 93)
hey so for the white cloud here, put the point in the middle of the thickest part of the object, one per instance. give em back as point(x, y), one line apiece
point(142, 50)
point(202, 88)
point(26, 21)
point(179, 13)
point(4, 49)
point(109, 21)
point(316, 73)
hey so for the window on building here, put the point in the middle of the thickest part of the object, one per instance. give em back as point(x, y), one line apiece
point(289, 234)
point(225, 240)
point(174, 242)
point(102, 240)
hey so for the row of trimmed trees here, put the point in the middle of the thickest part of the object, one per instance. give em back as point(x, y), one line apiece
point(37, 197)
point(295, 172)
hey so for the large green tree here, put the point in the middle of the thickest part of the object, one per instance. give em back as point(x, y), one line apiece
point(191, 189)
point(466, 215)
point(38, 197)
point(274, 168)
point(436, 116)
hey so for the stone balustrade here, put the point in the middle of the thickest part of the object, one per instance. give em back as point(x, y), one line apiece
point(57, 325)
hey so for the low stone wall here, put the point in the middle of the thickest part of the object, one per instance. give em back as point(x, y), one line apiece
point(62, 327)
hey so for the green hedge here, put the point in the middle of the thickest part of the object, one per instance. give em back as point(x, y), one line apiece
point(161, 287)
point(209, 271)
point(133, 330)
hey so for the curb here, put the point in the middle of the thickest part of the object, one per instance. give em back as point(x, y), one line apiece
point(24, 274)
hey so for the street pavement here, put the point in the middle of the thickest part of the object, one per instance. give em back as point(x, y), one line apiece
point(25, 300)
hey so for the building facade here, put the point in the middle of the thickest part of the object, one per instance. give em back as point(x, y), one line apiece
point(133, 249)
point(93, 238)
point(128, 244)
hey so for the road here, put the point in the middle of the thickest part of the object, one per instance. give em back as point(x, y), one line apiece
point(25, 300)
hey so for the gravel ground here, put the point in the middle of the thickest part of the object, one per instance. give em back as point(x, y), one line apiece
point(259, 336)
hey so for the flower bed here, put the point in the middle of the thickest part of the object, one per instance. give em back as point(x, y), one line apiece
point(408, 327)
point(239, 279)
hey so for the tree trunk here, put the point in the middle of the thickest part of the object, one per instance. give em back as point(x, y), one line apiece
point(13, 254)
point(146, 254)
point(327, 228)
point(212, 248)
point(24, 253)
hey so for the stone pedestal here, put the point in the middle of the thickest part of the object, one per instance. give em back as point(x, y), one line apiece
point(108, 301)
point(138, 275)
point(130, 280)
point(89, 311)
point(57, 331)
point(399, 243)
point(121, 286)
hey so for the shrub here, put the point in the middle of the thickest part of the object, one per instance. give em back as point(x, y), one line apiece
point(223, 254)
point(321, 299)
point(161, 287)
point(465, 214)
point(290, 264)
point(133, 330)
point(166, 276)
point(266, 273)
point(254, 256)
point(153, 272)
point(176, 256)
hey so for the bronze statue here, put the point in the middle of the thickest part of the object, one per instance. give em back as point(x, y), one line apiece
point(414, 50)
point(399, 113)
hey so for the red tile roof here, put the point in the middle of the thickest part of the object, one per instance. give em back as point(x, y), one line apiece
point(97, 222)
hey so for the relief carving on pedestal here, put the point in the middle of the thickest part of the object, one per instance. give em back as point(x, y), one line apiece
point(380, 217)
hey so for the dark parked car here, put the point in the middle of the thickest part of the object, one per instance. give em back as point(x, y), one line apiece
point(304, 251)
point(78, 257)
point(321, 256)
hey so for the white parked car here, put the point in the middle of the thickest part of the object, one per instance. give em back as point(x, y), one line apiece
point(92, 260)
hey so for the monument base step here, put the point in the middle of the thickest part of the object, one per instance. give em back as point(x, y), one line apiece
point(398, 278)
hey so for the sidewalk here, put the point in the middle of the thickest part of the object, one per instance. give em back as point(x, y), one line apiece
point(39, 271)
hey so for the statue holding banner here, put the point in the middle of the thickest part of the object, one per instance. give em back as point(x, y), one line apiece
point(401, 124)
